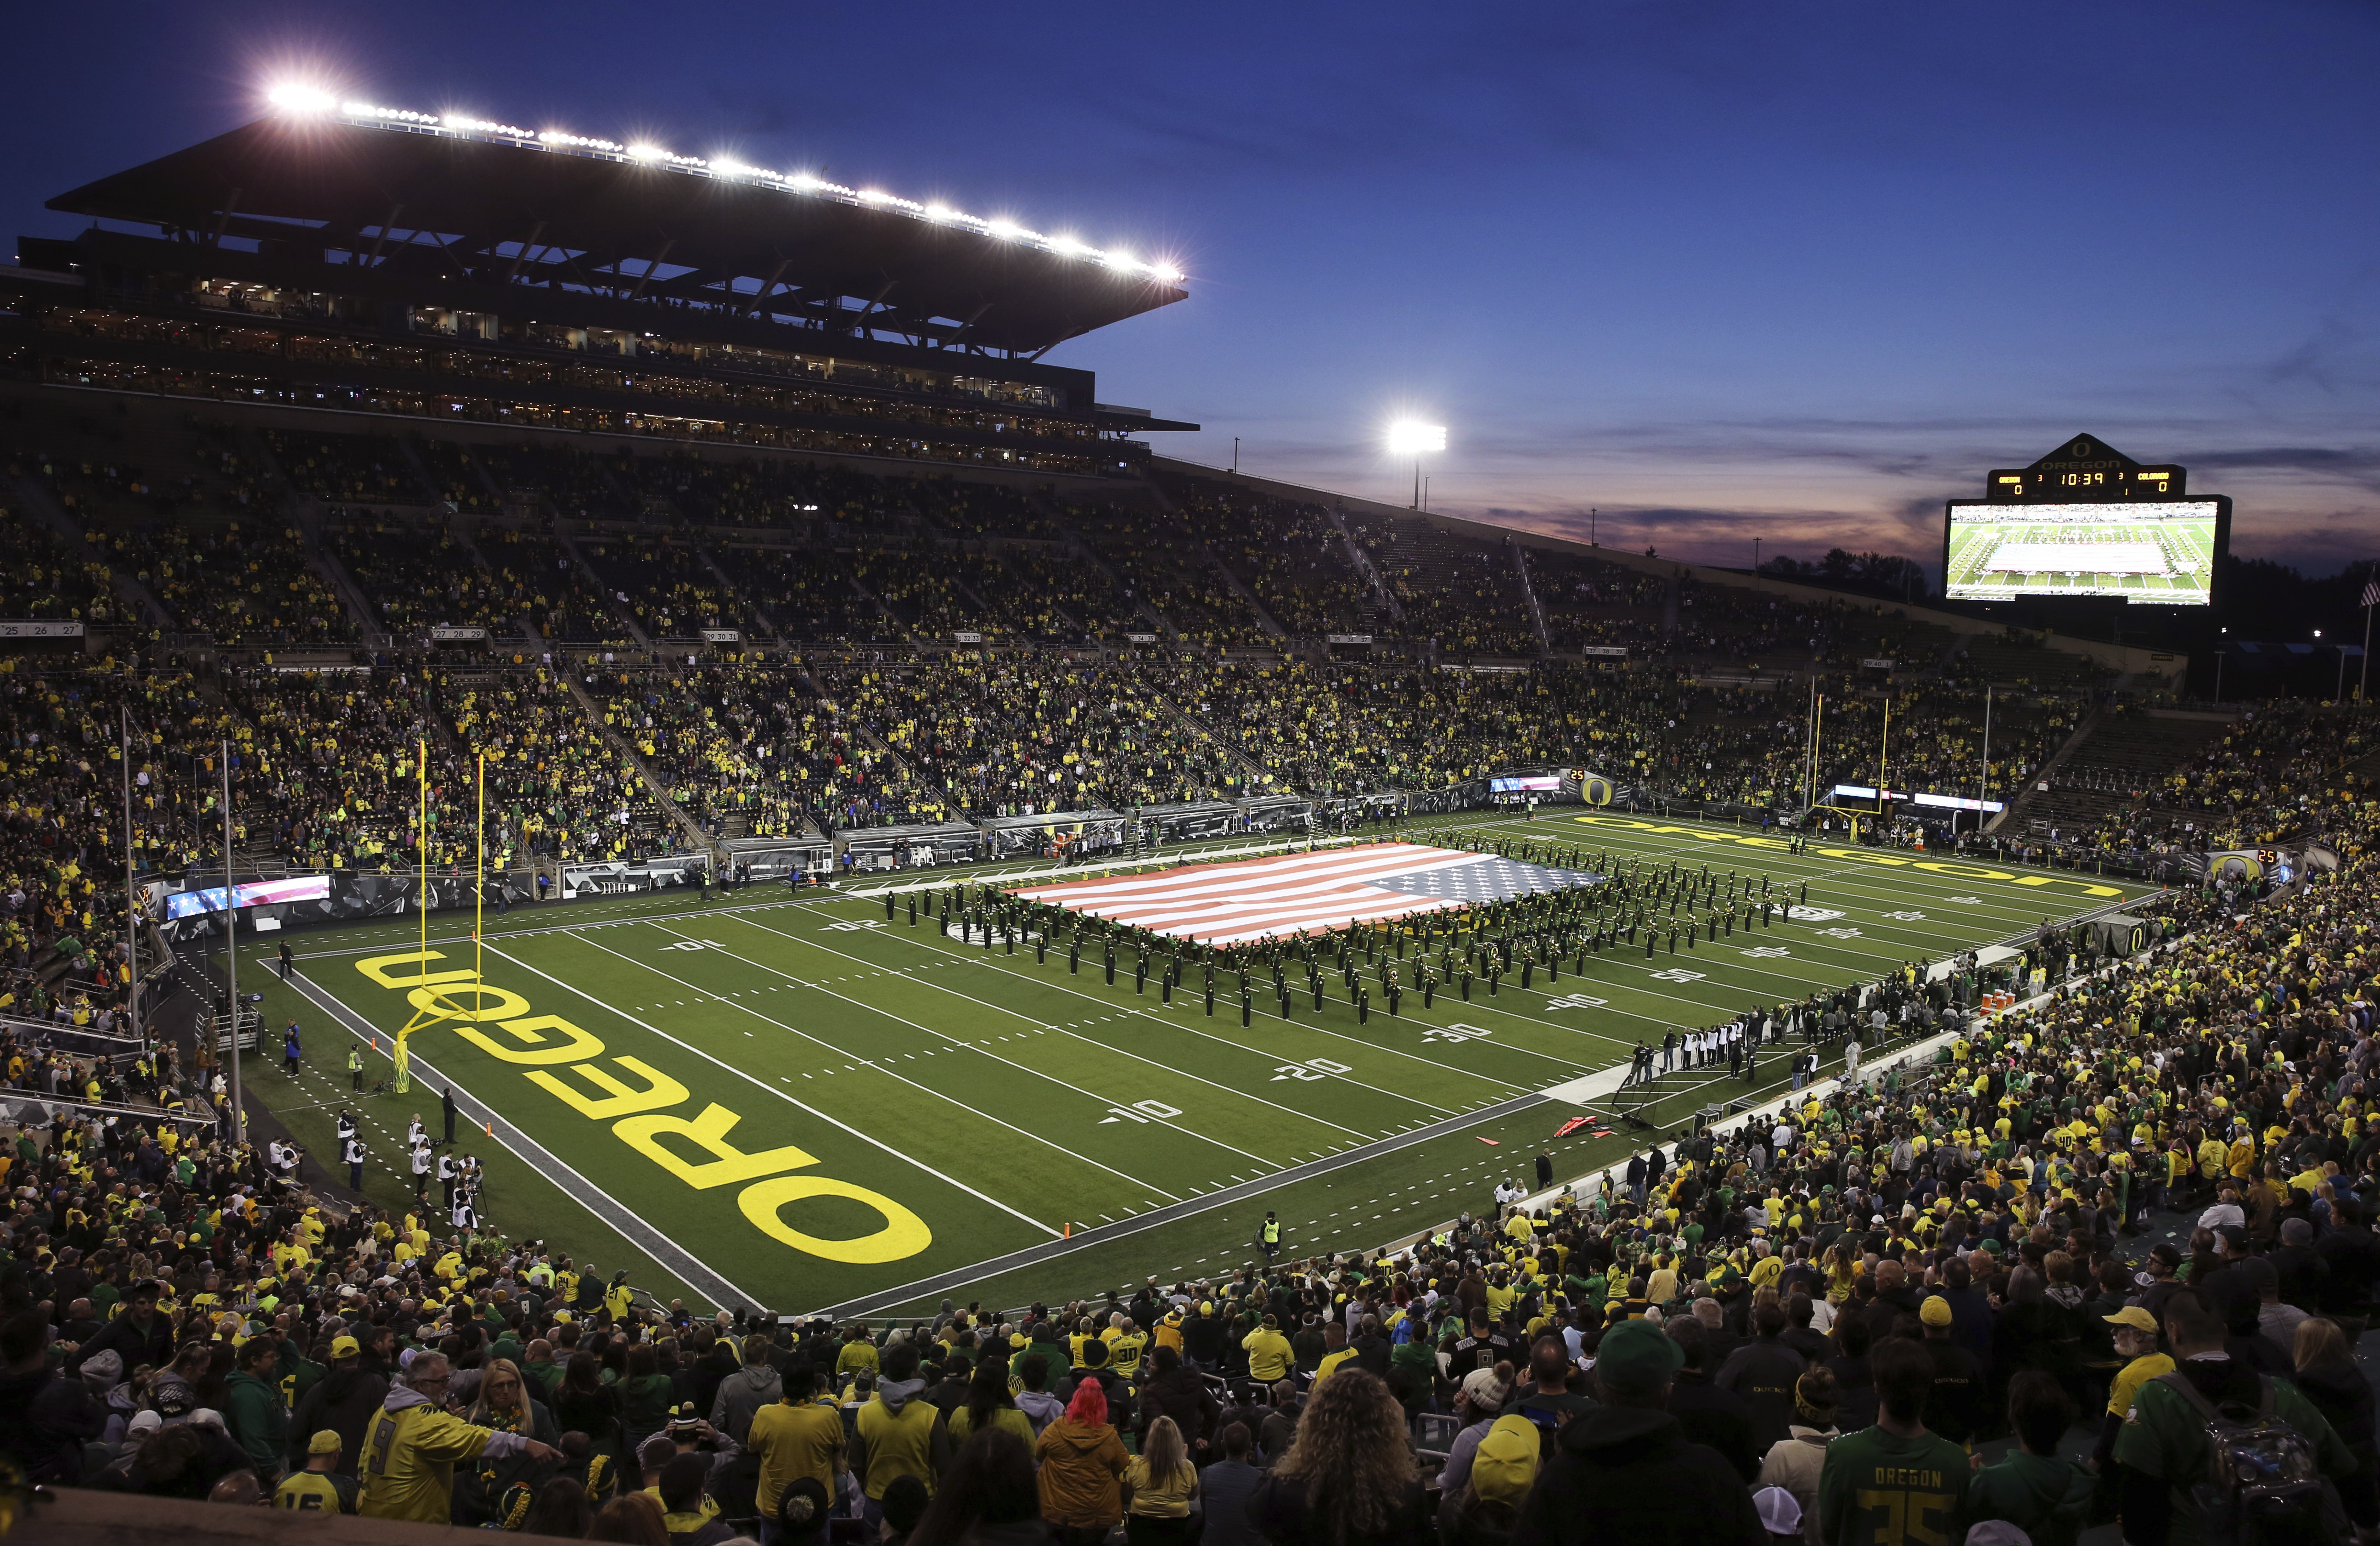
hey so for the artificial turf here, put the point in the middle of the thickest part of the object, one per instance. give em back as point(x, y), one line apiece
point(980, 1102)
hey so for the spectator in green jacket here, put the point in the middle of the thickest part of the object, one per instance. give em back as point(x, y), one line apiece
point(252, 1405)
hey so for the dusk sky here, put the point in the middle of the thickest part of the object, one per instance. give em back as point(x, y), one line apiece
point(1720, 272)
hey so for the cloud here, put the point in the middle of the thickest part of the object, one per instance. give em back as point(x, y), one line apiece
point(2358, 466)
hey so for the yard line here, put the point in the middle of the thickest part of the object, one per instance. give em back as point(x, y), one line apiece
point(883, 1064)
point(962, 1042)
point(958, 956)
point(757, 1084)
point(1108, 1047)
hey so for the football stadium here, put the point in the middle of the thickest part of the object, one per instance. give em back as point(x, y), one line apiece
point(640, 842)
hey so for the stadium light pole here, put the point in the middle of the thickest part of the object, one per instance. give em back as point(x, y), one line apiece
point(231, 958)
point(131, 918)
point(1411, 438)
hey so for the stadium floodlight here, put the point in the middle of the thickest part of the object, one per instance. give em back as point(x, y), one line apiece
point(1410, 437)
point(296, 99)
point(299, 100)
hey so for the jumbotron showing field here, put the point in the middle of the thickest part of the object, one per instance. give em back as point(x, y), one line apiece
point(2155, 554)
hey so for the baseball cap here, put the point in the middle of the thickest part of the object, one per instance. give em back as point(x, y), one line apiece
point(2134, 1316)
point(1779, 1512)
point(345, 1347)
point(1935, 1312)
point(144, 1422)
point(325, 1443)
point(1635, 1358)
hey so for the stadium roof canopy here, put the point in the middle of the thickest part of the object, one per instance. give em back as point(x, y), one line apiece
point(488, 205)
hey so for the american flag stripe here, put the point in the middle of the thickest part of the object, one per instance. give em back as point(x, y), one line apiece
point(1252, 899)
point(1277, 872)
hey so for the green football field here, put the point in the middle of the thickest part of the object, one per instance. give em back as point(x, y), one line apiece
point(797, 1104)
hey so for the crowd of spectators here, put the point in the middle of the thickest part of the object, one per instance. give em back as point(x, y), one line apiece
point(340, 468)
point(1909, 1290)
point(1154, 557)
point(420, 578)
point(667, 587)
point(808, 593)
point(977, 509)
point(49, 577)
point(1291, 557)
point(245, 582)
point(1025, 734)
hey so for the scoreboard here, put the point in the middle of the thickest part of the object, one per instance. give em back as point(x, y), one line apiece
point(2084, 469)
point(2085, 522)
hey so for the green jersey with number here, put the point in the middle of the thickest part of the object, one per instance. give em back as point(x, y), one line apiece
point(1878, 1489)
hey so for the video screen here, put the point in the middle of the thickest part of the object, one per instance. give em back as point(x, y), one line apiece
point(1527, 784)
point(2155, 554)
point(249, 893)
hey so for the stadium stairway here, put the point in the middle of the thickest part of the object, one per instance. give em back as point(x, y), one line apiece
point(2018, 811)
point(342, 584)
point(669, 808)
point(1361, 561)
point(1232, 581)
point(1081, 550)
point(2121, 766)
point(1529, 594)
point(743, 598)
point(619, 614)
point(35, 500)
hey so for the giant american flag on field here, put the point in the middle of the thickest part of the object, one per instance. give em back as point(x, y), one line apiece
point(1255, 898)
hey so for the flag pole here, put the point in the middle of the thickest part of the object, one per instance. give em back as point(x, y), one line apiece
point(2371, 599)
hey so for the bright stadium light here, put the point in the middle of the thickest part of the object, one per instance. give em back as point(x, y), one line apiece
point(1410, 437)
point(299, 100)
point(296, 99)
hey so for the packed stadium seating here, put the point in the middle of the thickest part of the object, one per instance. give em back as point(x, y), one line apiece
point(342, 469)
point(668, 587)
point(1468, 596)
point(417, 579)
point(1293, 559)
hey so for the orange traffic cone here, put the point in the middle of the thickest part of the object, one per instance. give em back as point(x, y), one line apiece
point(491, 1127)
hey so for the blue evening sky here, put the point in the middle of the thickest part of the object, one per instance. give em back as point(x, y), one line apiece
point(1718, 270)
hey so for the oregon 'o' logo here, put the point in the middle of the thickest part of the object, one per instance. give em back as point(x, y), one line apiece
point(2082, 448)
point(1594, 790)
